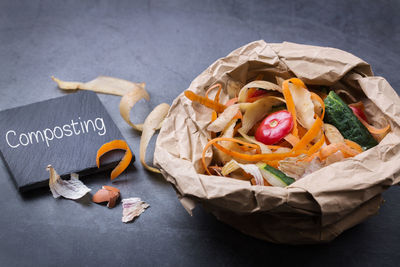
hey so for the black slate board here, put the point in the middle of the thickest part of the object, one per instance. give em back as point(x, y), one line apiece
point(71, 129)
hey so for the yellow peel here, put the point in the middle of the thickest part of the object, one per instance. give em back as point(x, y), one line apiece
point(128, 101)
point(264, 148)
point(229, 167)
point(303, 104)
point(150, 125)
point(223, 119)
point(333, 134)
point(257, 84)
point(253, 112)
point(229, 133)
point(102, 84)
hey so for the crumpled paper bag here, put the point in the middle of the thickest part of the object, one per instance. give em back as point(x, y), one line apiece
point(314, 209)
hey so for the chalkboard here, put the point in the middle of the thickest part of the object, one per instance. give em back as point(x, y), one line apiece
point(65, 132)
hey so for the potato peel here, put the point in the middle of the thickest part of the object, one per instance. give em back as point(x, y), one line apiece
point(102, 84)
point(123, 164)
point(294, 166)
point(150, 125)
point(128, 101)
point(257, 84)
point(251, 169)
point(333, 134)
point(229, 133)
point(253, 112)
point(303, 104)
point(220, 123)
point(264, 148)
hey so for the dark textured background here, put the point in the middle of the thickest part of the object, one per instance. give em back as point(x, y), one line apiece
point(167, 44)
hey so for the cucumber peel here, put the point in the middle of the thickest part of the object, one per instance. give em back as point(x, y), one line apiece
point(274, 176)
point(342, 117)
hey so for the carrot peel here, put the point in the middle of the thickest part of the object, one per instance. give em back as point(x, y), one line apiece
point(216, 98)
point(253, 158)
point(213, 141)
point(205, 101)
point(123, 164)
point(372, 129)
point(353, 145)
point(290, 106)
point(310, 134)
point(317, 145)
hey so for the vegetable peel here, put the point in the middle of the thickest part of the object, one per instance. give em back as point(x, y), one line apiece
point(128, 101)
point(223, 119)
point(257, 84)
point(149, 128)
point(102, 84)
point(205, 101)
point(123, 164)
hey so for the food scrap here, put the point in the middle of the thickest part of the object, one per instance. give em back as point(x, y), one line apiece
point(123, 164)
point(282, 132)
point(152, 122)
point(102, 84)
point(71, 189)
point(107, 194)
point(132, 208)
point(128, 101)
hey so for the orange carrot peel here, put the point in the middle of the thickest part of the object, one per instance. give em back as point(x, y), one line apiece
point(372, 129)
point(231, 101)
point(252, 158)
point(256, 157)
point(205, 101)
point(310, 135)
point(290, 106)
point(293, 140)
point(216, 98)
point(123, 164)
point(333, 148)
point(353, 145)
point(213, 142)
point(214, 116)
point(317, 145)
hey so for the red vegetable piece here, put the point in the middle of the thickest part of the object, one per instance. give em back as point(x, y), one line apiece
point(258, 92)
point(359, 112)
point(274, 127)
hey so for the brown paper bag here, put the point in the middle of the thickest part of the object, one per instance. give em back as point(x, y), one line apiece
point(314, 209)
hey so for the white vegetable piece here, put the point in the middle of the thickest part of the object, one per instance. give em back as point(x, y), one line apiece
point(71, 189)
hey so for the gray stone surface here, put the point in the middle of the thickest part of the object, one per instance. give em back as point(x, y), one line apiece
point(64, 132)
point(167, 44)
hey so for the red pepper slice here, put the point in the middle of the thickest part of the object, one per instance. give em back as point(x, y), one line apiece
point(274, 127)
point(256, 93)
point(359, 112)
